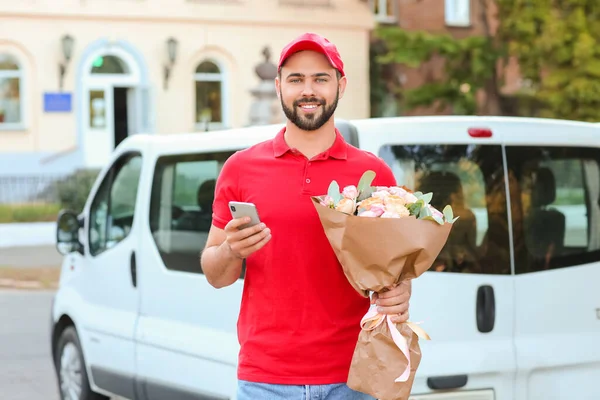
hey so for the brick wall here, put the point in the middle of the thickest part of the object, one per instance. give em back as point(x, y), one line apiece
point(429, 15)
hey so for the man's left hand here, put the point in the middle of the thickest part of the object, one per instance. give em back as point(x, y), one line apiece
point(394, 302)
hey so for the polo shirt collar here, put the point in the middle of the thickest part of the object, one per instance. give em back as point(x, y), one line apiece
point(338, 150)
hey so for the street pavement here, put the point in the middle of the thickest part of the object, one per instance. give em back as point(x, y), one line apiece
point(27, 234)
point(30, 256)
point(29, 245)
point(26, 371)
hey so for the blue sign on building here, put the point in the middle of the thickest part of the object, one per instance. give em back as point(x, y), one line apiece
point(57, 102)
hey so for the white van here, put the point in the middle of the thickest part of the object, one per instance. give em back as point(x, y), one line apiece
point(512, 304)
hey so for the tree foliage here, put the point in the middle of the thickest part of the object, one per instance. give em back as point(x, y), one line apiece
point(469, 64)
point(556, 43)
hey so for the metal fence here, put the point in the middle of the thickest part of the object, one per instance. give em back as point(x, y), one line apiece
point(49, 189)
point(28, 189)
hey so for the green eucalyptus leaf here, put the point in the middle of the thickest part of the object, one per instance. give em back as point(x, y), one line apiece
point(454, 219)
point(448, 213)
point(334, 192)
point(365, 194)
point(435, 218)
point(425, 212)
point(415, 208)
point(418, 195)
point(365, 180)
point(438, 219)
point(427, 197)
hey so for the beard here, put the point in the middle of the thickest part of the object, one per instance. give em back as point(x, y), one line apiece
point(312, 121)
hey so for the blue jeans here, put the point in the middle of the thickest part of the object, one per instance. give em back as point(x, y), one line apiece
point(266, 391)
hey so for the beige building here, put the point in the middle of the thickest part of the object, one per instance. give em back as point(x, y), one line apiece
point(78, 76)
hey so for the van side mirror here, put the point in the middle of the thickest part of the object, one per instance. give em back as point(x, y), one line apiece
point(67, 233)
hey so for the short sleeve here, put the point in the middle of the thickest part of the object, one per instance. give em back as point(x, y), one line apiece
point(226, 190)
point(385, 176)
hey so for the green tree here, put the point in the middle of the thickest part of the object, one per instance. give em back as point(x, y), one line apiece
point(557, 45)
point(469, 65)
point(554, 41)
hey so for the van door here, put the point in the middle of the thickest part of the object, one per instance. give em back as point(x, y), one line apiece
point(187, 336)
point(109, 287)
point(466, 299)
point(556, 230)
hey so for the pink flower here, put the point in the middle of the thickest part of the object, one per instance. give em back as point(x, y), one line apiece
point(389, 214)
point(435, 212)
point(377, 209)
point(398, 191)
point(395, 204)
point(350, 192)
point(368, 213)
point(380, 194)
point(346, 206)
point(370, 202)
point(327, 202)
point(410, 198)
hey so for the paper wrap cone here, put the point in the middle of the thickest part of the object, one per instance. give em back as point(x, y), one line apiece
point(375, 254)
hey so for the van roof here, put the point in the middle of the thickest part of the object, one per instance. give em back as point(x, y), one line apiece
point(247, 136)
point(470, 118)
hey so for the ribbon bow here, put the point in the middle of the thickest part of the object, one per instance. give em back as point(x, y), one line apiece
point(373, 319)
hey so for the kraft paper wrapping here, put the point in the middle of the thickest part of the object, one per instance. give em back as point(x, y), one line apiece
point(377, 361)
point(375, 254)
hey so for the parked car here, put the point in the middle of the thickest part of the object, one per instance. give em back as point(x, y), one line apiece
point(512, 303)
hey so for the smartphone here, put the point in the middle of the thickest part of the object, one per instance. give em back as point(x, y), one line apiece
point(239, 209)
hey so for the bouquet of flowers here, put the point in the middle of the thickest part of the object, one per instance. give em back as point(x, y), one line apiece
point(381, 237)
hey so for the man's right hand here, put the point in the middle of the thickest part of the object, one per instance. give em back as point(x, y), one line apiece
point(240, 243)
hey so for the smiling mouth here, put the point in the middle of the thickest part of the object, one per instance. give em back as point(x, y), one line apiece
point(309, 107)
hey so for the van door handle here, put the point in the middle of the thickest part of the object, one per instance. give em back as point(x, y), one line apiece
point(447, 382)
point(486, 308)
point(133, 266)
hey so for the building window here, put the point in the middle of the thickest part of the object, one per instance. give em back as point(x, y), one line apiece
point(209, 96)
point(11, 89)
point(458, 12)
point(109, 65)
point(384, 10)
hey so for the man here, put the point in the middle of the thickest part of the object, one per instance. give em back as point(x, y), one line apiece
point(299, 318)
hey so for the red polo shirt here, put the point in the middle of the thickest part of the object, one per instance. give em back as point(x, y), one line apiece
point(299, 318)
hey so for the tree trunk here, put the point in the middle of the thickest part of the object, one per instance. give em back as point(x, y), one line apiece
point(491, 105)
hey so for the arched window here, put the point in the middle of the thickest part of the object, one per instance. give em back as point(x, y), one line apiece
point(11, 82)
point(209, 95)
point(109, 65)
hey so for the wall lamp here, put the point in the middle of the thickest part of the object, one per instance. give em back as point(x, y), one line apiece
point(67, 43)
point(172, 56)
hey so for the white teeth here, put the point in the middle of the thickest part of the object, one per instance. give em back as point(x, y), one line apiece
point(309, 106)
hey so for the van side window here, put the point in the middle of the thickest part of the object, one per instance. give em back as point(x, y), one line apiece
point(183, 191)
point(557, 218)
point(471, 179)
point(113, 208)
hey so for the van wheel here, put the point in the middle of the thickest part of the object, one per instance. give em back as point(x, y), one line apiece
point(73, 383)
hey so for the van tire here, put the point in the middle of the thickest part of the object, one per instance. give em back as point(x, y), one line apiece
point(68, 351)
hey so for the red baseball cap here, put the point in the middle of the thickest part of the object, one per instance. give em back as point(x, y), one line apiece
point(313, 42)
